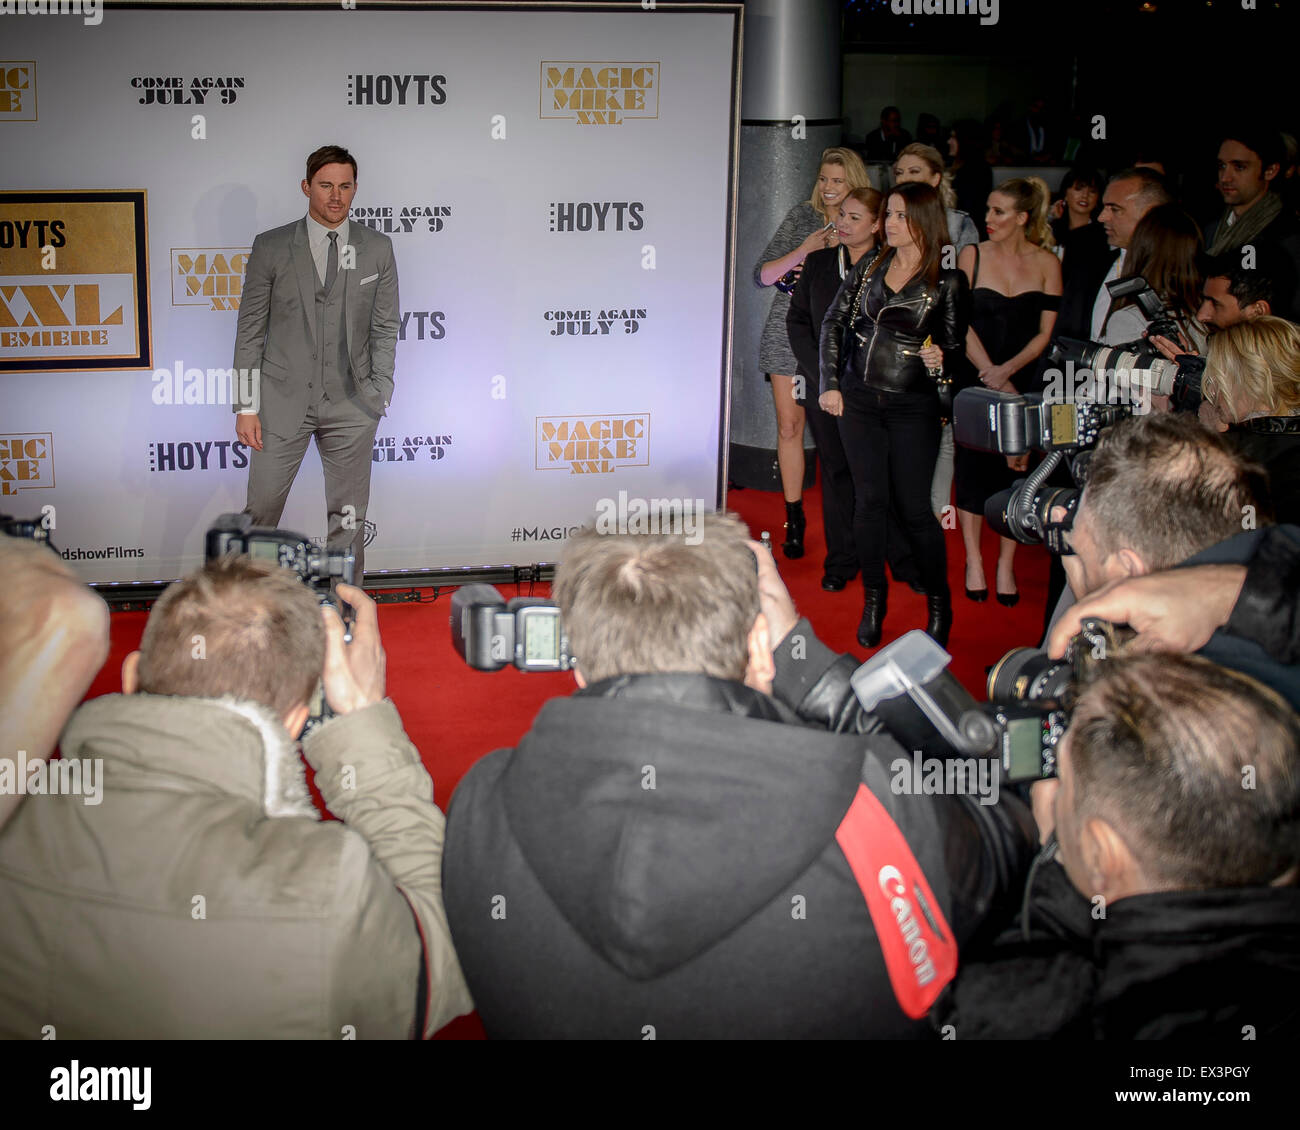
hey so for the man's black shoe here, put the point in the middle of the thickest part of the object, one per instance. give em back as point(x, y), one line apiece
point(834, 584)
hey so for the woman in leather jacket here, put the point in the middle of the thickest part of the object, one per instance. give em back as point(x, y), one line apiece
point(897, 325)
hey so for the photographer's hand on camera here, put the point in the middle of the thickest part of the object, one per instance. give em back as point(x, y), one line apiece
point(1172, 350)
point(773, 597)
point(354, 675)
point(1178, 610)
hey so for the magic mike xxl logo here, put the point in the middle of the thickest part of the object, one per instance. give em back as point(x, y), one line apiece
point(208, 276)
point(202, 90)
point(26, 461)
point(17, 90)
point(593, 445)
point(599, 94)
point(27, 307)
point(402, 90)
point(602, 215)
point(404, 219)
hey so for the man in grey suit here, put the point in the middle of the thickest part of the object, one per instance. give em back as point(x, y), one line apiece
point(318, 322)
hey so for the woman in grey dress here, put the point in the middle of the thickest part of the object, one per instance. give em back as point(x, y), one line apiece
point(807, 227)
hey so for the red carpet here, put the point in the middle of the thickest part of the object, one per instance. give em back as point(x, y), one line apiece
point(455, 715)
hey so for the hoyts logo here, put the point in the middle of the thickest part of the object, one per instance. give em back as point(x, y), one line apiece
point(611, 215)
point(593, 445)
point(600, 94)
point(26, 461)
point(384, 90)
point(198, 455)
point(18, 91)
point(208, 276)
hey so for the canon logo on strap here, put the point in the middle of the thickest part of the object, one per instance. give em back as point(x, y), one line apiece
point(891, 883)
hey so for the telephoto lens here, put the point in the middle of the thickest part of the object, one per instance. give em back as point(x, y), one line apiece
point(1026, 674)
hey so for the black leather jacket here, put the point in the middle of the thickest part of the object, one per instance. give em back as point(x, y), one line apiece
point(889, 331)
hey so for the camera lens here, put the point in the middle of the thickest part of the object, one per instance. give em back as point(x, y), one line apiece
point(1026, 674)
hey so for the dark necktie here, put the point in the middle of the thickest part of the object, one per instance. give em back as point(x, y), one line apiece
point(332, 261)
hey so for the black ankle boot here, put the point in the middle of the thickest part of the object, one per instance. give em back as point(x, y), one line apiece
point(940, 605)
point(873, 616)
point(795, 524)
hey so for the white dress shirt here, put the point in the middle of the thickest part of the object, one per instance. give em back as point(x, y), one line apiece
point(318, 236)
point(1101, 307)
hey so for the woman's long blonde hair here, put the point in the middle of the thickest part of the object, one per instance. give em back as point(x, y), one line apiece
point(1258, 359)
point(855, 174)
point(1031, 194)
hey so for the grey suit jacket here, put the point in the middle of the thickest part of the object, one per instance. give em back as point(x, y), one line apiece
point(277, 328)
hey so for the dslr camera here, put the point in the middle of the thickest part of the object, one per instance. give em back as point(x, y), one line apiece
point(490, 633)
point(319, 569)
point(1102, 385)
point(908, 688)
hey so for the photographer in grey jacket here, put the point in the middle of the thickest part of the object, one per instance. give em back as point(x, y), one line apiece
point(200, 895)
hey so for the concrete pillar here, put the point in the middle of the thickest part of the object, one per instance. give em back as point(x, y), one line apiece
point(792, 67)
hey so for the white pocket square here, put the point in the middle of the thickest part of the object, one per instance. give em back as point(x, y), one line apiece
point(368, 279)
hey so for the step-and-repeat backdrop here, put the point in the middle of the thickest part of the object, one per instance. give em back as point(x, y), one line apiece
point(556, 184)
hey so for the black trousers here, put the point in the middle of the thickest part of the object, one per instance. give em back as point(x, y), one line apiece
point(837, 492)
point(891, 441)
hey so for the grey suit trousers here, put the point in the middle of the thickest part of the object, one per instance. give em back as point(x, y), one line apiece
point(345, 437)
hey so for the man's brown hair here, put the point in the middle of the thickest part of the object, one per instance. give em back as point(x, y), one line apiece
point(1166, 487)
point(642, 603)
point(329, 155)
point(238, 627)
point(1195, 766)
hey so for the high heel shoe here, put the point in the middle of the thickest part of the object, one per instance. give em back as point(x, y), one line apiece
point(795, 524)
point(1009, 599)
point(979, 596)
point(873, 616)
point(940, 607)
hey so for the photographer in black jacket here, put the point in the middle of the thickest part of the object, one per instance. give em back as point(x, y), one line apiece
point(1166, 906)
point(669, 852)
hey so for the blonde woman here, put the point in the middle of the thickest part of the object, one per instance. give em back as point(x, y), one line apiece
point(807, 227)
point(1252, 391)
point(1015, 282)
point(917, 162)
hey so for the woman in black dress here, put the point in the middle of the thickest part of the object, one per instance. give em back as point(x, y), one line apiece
point(896, 325)
point(1015, 282)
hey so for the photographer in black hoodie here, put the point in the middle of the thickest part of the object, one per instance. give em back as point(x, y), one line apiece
point(674, 852)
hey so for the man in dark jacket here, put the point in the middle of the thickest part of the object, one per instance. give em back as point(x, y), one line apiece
point(669, 853)
point(1167, 905)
